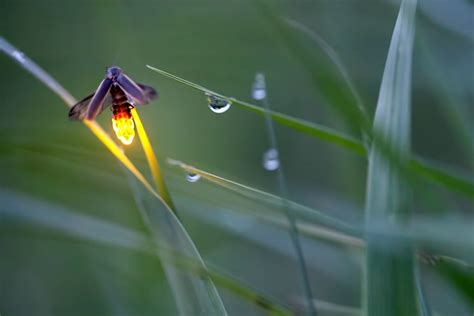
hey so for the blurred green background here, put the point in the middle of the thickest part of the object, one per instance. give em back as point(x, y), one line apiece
point(48, 162)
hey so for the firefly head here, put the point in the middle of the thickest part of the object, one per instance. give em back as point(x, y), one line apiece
point(113, 72)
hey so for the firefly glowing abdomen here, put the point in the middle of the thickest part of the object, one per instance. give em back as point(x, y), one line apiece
point(122, 120)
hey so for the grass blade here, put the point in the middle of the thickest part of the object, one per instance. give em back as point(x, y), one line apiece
point(389, 287)
point(425, 232)
point(36, 71)
point(452, 104)
point(303, 126)
point(454, 180)
point(152, 161)
point(321, 73)
point(335, 59)
point(431, 171)
point(459, 275)
point(193, 295)
point(304, 213)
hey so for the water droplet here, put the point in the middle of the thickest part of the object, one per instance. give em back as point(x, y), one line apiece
point(19, 56)
point(259, 91)
point(270, 160)
point(217, 104)
point(193, 177)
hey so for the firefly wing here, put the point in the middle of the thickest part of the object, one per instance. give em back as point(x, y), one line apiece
point(149, 92)
point(131, 88)
point(79, 110)
point(137, 93)
point(97, 101)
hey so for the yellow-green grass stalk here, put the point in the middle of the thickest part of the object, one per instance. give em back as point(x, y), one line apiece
point(152, 161)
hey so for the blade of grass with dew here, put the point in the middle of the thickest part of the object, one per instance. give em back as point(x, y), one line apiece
point(389, 285)
point(431, 171)
point(306, 127)
point(289, 213)
point(303, 212)
point(214, 303)
point(351, 110)
point(425, 232)
point(18, 207)
point(193, 295)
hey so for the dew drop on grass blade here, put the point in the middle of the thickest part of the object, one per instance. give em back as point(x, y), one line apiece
point(420, 166)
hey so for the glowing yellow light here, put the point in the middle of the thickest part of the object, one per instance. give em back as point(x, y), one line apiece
point(124, 129)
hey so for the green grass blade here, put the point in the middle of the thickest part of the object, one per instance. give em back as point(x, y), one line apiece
point(459, 275)
point(389, 285)
point(193, 295)
point(321, 73)
point(312, 129)
point(449, 179)
point(452, 105)
point(423, 306)
point(335, 59)
point(21, 59)
point(303, 213)
point(452, 181)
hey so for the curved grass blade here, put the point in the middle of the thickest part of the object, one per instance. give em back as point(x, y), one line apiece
point(389, 283)
point(321, 73)
point(152, 161)
point(453, 180)
point(36, 71)
point(423, 306)
point(451, 104)
point(303, 126)
point(336, 60)
point(424, 232)
point(304, 213)
point(460, 275)
point(194, 296)
point(463, 185)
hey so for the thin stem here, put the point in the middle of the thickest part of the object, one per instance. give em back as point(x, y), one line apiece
point(294, 234)
point(152, 161)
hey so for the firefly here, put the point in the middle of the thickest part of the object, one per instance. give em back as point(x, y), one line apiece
point(122, 94)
